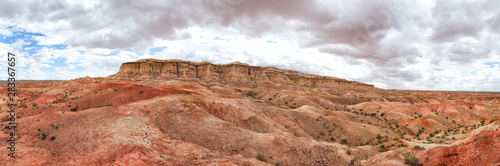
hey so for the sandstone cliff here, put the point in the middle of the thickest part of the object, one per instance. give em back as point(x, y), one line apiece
point(236, 71)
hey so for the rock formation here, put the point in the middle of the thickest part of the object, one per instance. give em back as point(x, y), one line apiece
point(236, 71)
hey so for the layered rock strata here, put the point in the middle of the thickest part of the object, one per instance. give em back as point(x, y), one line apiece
point(236, 71)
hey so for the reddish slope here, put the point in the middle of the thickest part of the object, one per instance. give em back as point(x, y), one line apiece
point(485, 151)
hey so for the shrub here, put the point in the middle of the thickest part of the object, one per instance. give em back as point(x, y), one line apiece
point(379, 136)
point(238, 90)
point(382, 114)
point(44, 136)
point(141, 91)
point(109, 105)
point(431, 134)
point(99, 106)
point(261, 157)
point(344, 141)
point(453, 138)
point(332, 139)
point(418, 148)
point(74, 109)
point(412, 160)
point(382, 148)
point(52, 138)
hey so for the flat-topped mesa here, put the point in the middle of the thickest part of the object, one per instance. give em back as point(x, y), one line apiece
point(236, 71)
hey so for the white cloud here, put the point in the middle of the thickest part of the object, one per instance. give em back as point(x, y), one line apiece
point(392, 44)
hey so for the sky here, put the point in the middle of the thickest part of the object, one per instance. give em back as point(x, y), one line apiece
point(406, 44)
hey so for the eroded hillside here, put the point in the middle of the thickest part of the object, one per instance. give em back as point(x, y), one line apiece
point(173, 112)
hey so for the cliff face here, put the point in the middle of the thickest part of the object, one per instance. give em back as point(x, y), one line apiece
point(154, 68)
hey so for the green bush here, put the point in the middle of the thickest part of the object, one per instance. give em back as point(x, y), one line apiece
point(418, 148)
point(141, 91)
point(52, 138)
point(74, 109)
point(261, 157)
point(412, 160)
point(344, 141)
point(382, 148)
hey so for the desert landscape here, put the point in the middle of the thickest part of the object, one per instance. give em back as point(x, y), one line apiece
point(175, 112)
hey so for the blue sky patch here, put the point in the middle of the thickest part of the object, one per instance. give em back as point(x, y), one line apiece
point(492, 64)
point(270, 41)
point(156, 49)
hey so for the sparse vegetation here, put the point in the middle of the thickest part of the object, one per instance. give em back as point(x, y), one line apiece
point(412, 160)
point(261, 157)
point(251, 94)
point(418, 148)
point(141, 91)
point(382, 148)
point(344, 141)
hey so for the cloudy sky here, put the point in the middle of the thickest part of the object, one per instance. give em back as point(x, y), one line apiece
point(427, 45)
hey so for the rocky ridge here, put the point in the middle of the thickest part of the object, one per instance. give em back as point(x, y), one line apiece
point(236, 71)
